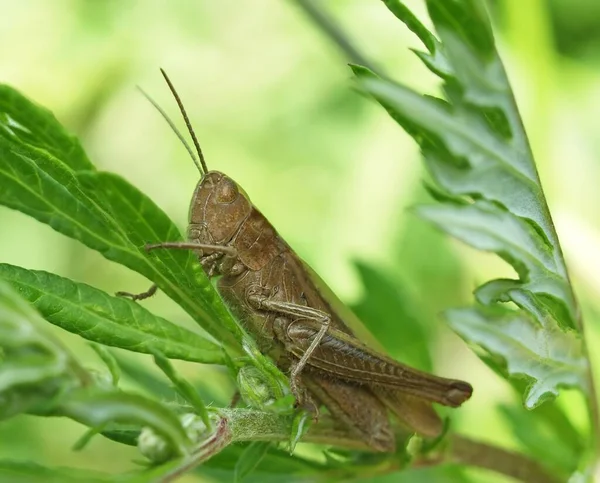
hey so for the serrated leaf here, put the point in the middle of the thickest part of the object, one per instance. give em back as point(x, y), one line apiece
point(50, 180)
point(476, 150)
point(434, 59)
point(465, 19)
point(108, 320)
point(249, 459)
point(548, 356)
point(489, 228)
point(403, 14)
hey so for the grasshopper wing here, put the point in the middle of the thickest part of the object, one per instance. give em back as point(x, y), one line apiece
point(344, 356)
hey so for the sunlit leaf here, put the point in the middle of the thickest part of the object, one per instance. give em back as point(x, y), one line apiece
point(105, 319)
point(550, 357)
point(476, 151)
point(36, 126)
point(51, 180)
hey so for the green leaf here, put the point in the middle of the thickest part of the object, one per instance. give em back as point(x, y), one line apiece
point(388, 308)
point(434, 59)
point(96, 408)
point(39, 375)
point(31, 124)
point(548, 356)
point(489, 228)
point(542, 440)
point(490, 197)
point(184, 388)
point(51, 180)
point(105, 319)
point(108, 359)
point(301, 424)
point(249, 459)
point(276, 461)
point(143, 222)
point(466, 20)
point(34, 367)
point(14, 471)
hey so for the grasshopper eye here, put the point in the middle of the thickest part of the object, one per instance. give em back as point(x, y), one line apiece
point(227, 191)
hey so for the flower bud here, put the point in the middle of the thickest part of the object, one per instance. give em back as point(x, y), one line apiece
point(254, 387)
point(154, 447)
point(157, 450)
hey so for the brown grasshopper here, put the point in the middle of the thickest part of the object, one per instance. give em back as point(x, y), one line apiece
point(276, 298)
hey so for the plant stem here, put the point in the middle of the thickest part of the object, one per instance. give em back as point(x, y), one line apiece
point(243, 425)
point(467, 452)
point(325, 23)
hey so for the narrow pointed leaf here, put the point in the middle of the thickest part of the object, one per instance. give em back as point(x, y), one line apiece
point(51, 180)
point(36, 126)
point(105, 319)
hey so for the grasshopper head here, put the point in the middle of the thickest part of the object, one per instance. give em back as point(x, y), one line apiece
point(218, 209)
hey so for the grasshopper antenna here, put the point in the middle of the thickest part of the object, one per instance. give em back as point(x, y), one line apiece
point(173, 127)
point(187, 120)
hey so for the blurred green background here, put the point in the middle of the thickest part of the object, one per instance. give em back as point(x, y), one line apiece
point(271, 101)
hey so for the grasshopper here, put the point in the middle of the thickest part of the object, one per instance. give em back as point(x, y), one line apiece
point(279, 302)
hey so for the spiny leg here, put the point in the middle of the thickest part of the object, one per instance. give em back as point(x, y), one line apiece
point(297, 367)
point(257, 299)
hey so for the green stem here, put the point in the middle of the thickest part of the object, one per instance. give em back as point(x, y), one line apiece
point(467, 452)
point(327, 25)
point(242, 425)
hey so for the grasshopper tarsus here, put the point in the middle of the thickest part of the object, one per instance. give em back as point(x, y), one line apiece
point(139, 296)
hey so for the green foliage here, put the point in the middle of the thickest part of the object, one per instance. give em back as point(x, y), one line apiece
point(29, 472)
point(108, 320)
point(476, 151)
point(386, 297)
point(249, 459)
point(488, 195)
point(52, 181)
